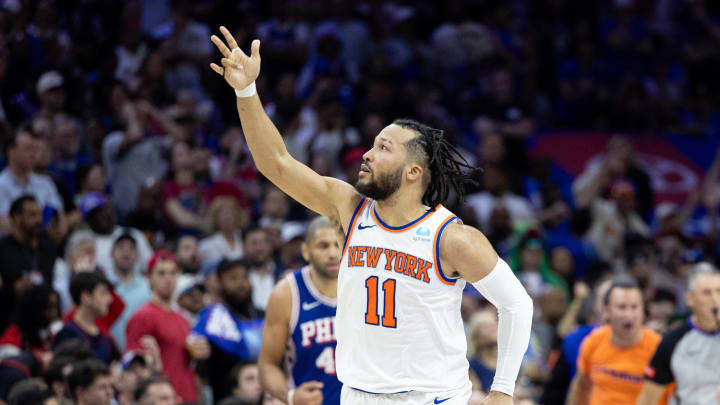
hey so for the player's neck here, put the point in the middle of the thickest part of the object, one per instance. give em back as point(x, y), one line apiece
point(326, 286)
point(398, 212)
point(706, 324)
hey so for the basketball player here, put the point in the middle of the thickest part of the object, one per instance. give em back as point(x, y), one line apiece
point(405, 260)
point(300, 315)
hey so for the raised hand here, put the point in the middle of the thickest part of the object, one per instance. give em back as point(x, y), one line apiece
point(238, 69)
point(580, 291)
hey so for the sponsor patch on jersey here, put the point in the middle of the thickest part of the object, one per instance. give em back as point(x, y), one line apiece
point(422, 234)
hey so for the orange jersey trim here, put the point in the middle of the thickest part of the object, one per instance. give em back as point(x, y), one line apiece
point(354, 218)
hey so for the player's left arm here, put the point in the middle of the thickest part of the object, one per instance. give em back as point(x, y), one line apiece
point(466, 252)
point(275, 336)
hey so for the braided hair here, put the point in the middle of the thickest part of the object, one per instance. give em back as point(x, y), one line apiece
point(446, 166)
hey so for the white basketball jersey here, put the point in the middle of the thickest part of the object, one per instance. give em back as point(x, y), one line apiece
point(398, 323)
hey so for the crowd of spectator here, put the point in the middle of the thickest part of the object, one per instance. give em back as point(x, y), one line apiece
point(126, 179)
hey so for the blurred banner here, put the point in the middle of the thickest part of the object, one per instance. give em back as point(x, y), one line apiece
point(675, 163)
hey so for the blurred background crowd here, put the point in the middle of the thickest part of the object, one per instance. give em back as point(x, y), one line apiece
point(120, 142)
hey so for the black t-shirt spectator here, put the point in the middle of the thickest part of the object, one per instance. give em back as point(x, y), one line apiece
point(217, 368)
point(18, 261)
point(102, 345)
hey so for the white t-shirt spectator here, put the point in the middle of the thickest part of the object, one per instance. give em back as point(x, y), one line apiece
point(39, 186)
point(215, 248)
point(104, 245)
point(262, 286)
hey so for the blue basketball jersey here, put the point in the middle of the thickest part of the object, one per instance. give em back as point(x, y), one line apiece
point(311, 349)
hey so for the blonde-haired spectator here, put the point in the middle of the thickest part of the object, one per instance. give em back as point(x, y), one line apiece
point(225, 242)
point(482, 348)
point(80, 256)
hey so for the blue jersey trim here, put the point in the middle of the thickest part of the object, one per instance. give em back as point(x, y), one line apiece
point(408, 225)
point(437, 251)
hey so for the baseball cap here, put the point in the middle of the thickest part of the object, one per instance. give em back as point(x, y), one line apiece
point(91, 201)
point(186, 283)
point(130, 357)
point(125, 236)
point(49, 80)
point(158, 256)
point(291, 230)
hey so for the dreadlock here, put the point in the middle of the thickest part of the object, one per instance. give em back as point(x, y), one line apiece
point(448, 168)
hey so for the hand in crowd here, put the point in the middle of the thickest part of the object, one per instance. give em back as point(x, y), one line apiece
point(309, 393)
point(580, 291)
point(152, 352)
point(84, 263)
point(199, 347)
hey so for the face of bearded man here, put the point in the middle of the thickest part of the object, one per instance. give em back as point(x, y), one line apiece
point(236, 289)
point(379, 186)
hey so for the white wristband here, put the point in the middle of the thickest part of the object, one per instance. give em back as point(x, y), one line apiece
point(291, 394)
point(248, 91)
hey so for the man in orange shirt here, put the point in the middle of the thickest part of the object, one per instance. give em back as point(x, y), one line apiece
point(613, 357)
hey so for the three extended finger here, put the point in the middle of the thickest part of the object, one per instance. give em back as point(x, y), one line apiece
point(228, 37)
point(224, 50)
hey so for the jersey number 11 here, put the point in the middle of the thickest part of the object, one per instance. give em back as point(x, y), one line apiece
point(371, 313)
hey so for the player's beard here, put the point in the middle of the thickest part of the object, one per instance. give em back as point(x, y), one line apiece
point(382, 187)
point(321, 268)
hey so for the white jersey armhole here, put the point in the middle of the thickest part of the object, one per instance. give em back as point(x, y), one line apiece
point(295, 308)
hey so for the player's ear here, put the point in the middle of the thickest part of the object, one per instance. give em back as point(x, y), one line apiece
point(305, 252)
point(414, 173)
point(689, 298)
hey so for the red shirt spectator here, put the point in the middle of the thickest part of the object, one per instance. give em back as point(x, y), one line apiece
point(170, 330)
point(168, 327)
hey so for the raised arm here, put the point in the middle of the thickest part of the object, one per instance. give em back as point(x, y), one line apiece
point(327, 196)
